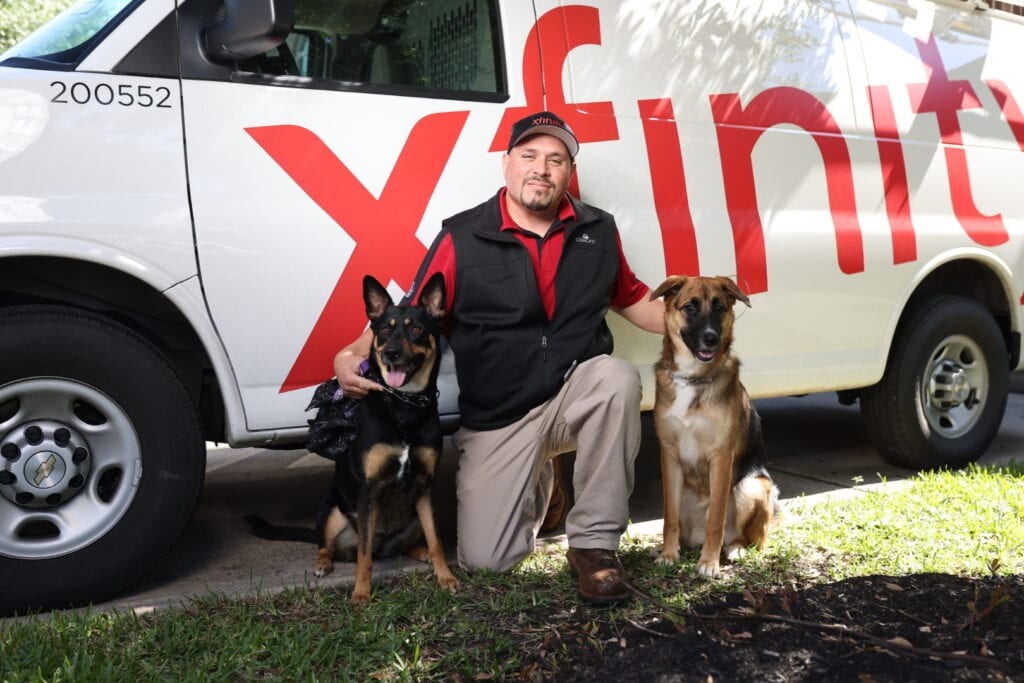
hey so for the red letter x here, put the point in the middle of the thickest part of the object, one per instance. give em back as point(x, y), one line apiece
point(384, 229)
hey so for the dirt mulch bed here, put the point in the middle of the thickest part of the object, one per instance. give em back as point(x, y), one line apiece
point(929, 627)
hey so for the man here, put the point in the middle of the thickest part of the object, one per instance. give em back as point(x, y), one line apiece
point(530, 275)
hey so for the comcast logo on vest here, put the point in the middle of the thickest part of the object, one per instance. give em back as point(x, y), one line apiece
point(586, 239)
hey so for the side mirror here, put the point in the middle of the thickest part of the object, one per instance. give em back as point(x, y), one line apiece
point(249, 28)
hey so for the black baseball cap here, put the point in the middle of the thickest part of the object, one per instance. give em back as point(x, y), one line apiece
point(544, 123)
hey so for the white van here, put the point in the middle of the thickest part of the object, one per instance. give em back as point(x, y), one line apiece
point(191, 191)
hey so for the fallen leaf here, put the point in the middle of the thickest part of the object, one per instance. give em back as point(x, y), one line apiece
point(894, 587)
point(902, 642)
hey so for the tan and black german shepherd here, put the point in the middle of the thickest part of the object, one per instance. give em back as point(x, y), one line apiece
point(379, 501)
point(717, 491)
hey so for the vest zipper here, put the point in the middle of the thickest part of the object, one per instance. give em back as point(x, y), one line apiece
point(544, 347)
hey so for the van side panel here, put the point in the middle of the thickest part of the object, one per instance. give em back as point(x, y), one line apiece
point(796, 146)
point(791, 144)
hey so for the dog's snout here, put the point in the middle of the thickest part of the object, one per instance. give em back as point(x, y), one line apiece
point(392, 353)
point(710, 338)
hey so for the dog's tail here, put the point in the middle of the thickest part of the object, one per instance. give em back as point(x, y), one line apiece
point(261, 528)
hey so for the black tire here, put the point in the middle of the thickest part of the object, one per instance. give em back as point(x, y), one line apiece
point(943, 395)
point(102, 457)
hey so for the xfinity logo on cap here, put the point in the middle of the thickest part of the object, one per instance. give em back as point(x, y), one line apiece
point(545, 121)
point(586, 239)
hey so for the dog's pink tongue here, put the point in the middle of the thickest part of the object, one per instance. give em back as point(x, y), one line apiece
point(395, 378)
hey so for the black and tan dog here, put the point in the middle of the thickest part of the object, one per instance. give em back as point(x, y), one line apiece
point(379, 502)
point(717, 491)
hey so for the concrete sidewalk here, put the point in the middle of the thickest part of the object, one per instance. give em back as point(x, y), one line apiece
point(817, 449)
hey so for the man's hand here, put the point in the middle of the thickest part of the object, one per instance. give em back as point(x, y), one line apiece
point(346, 368)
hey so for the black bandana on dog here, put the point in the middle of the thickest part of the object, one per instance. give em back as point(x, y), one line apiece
point(335, 428)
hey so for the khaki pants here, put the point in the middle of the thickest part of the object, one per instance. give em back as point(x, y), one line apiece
point(505, 475)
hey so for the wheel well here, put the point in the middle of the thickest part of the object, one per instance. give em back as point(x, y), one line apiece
point(130, 301)
point(973, 280)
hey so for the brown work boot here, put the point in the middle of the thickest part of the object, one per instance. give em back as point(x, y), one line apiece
point(601, 578)
point(558, 506)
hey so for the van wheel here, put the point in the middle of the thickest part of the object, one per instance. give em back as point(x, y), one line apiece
point(101, 457)
point(942, 398)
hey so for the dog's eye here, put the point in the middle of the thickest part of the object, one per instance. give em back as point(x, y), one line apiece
point(415, 330)
point(384, 332)
point(689, 307)
point(719, 306)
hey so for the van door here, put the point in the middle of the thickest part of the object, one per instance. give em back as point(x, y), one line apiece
point(332, 156)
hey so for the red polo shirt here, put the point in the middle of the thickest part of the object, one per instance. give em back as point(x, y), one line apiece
point(545, 253)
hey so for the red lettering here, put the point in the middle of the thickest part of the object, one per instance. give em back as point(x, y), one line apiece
point(384, 229)
point(894, 176)
point(945, 98)
point(738, 130)
point(668, 181)
point(1011, 110)
point(547, 47)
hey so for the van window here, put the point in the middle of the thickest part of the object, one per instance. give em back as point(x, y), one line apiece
point(65, 40)
point(430, 47)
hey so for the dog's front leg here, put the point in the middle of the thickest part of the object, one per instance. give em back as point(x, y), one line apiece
point(333, 531)
point(445, 578)
point(719, 482)
point(367, 526)
point(671, 490)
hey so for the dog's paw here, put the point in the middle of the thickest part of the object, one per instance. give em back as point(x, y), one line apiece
point(322, 569)
point(360, 598)
point(448, 582)
point(708, 568)
point(419, 554)
point(735, 552)
point(667, 558)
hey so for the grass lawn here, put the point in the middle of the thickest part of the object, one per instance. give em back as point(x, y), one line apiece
point(527, 622)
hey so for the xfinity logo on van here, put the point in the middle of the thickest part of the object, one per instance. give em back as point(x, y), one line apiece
point(740, 123)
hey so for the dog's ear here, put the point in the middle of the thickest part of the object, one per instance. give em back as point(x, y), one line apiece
point(375, 297)
point(669, 288)
point(732, 290)
point(433, 296)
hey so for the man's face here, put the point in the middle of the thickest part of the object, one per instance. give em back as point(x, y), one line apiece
point(537, 172)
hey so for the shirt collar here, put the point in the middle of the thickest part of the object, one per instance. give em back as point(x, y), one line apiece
point(566, 211)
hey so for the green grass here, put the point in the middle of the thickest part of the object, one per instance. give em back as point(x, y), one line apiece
point(949, 522)
point(968, 523)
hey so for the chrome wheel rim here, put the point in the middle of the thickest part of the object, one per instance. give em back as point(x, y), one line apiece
point(70, 466)
point(955, 387)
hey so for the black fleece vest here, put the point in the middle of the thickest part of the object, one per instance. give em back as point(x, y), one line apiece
point(509, 357)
